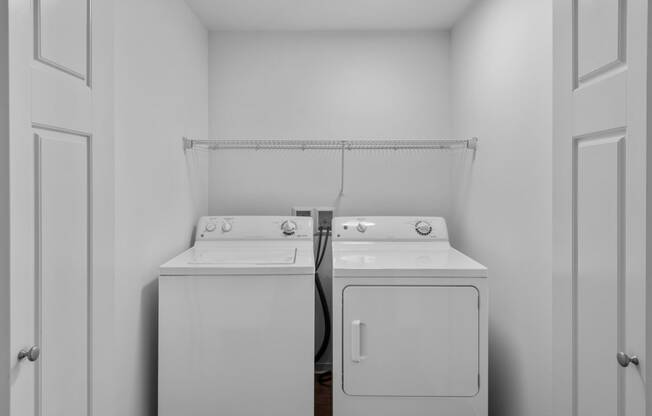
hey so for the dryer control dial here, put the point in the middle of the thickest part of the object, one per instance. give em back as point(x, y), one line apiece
point(361, 227)
point(226, 227)
point(289, 227)
point(423, 228)
point(210, 227)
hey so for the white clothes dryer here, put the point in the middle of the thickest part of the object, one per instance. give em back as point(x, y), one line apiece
point(410, 320)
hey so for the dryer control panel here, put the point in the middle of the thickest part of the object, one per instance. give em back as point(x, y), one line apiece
point(390, 229)
point(254, 228)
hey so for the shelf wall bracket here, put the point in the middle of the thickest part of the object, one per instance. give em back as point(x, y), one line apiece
point(472, 144)
point(187, 144)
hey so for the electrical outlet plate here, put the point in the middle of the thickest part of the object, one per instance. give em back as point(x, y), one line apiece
point(324, 216)
point(321, 216)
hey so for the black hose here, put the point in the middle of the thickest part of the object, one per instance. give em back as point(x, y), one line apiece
point(321, 252)
point(321, 230)
point(327, 320)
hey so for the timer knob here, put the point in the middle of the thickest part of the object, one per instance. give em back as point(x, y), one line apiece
point(423, 228)
point(210, 227)
point(226, 227)
point(361, 227)
point(288, 227)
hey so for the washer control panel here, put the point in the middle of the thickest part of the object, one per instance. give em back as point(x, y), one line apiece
point(390, 228)
point(253, 228)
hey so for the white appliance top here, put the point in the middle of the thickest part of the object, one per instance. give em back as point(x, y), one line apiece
point(398, 246)
point(247, 245)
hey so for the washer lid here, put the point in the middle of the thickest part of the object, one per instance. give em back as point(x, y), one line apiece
point(402, 259)
point(243, 258)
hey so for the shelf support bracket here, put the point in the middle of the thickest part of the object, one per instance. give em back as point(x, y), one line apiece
point(472, 144)
point(187, 144)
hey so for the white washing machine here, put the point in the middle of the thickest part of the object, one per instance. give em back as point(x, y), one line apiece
point(409, 320)
point(236, 320)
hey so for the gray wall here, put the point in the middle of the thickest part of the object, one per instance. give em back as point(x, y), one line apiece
point(161, 53)
point(502, 212)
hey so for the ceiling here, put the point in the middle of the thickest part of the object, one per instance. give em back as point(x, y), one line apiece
point(329, 14)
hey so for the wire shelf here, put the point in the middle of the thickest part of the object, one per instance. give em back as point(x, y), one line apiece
point(309, 144)
point(339, 145)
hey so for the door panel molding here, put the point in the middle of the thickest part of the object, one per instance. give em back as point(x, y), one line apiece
point(51, 62)
point(588, 142)
point(63, 130)
point(619, 59)
point(63, 136)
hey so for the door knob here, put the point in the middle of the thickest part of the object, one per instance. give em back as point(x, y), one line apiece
point(624, 360)
point(31, 353)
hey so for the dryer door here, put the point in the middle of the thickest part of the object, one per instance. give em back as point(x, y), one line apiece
point(410, 341)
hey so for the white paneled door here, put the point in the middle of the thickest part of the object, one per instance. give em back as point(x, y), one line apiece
point(600, 166)
point(61, 206)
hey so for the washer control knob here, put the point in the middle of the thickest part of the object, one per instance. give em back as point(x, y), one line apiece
point(361, 227)
point(423, 228)
point(226, 227)
point(210, 227)
point(289, 227)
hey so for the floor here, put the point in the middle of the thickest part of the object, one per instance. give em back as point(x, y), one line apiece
point(323, 398)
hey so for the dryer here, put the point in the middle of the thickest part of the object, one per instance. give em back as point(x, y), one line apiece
point(236, 320)
point(410, 320)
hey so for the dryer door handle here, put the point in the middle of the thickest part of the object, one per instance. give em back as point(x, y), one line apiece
point(356, 346)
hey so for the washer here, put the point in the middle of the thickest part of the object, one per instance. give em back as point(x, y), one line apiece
point(410, 320)
point(236, 320)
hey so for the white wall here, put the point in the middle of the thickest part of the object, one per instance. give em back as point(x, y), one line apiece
point(161, 95)
point(5, 364)
point(502, 92)
point(328, 85)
